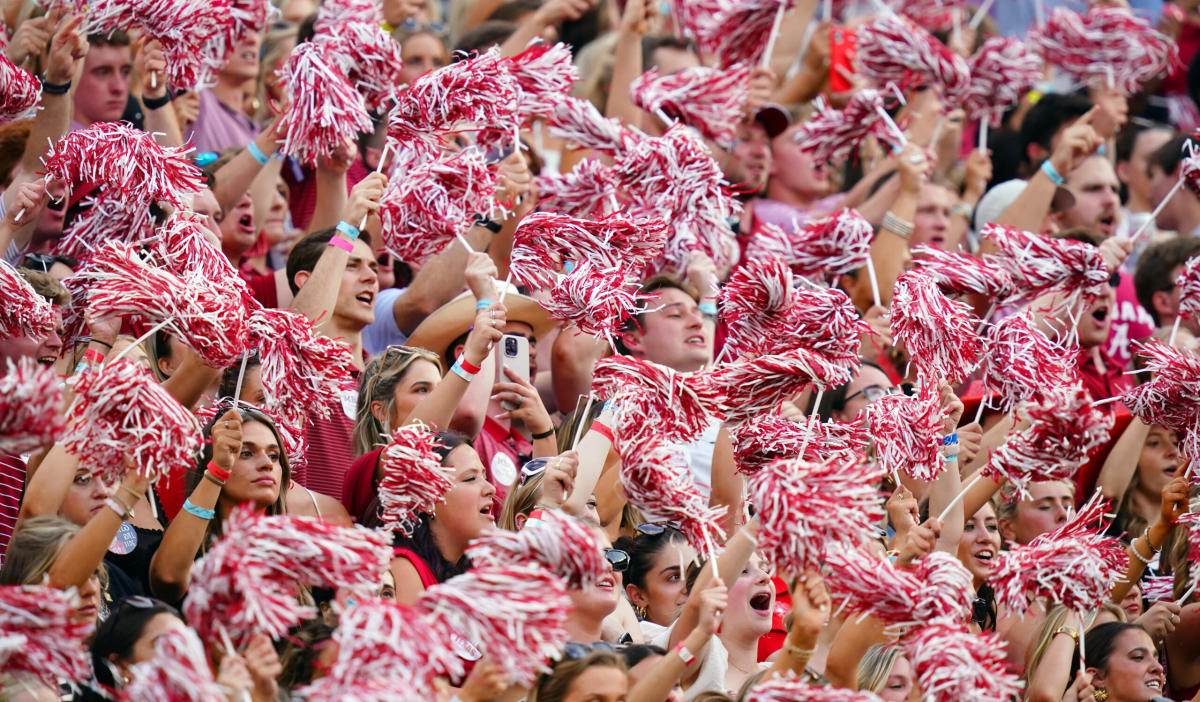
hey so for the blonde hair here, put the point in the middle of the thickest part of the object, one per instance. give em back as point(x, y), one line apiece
point(1055, 619)
point(379, 380)
point(521, 499)
point(876, 665)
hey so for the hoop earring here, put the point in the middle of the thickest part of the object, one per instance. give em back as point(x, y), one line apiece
point(640, 612)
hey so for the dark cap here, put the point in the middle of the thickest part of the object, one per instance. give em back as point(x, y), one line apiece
point(774, 119)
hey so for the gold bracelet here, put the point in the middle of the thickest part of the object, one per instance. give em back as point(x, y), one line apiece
point(213, 479)
point(793, 650)
point(1146, 535)
point(132, 493)
point(1068, 631)
point(128, 509)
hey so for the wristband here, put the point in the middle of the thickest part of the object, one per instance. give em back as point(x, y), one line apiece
point(198, 511)
point(603, 430)
point(894, 224)
point(348, 229)
point(963, 210)
point(543, 435)
point(1146, 535)
point(467, 365)
point(1052, 173)
point(341, 243)
point(214, 480)
point(94, 340)
point(258, 155)
point(687, 656)
point(93, 355)
point(535, 518)
point(483, 304)
point(217, 471)
point(708, 309)
point(488, 224)
point(949, 457)
point(117, 507)
point(161, 102)
point(56, 88)
point(458, 370)
point(950, 439)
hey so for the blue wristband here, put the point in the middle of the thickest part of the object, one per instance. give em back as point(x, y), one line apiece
point(708, 308)
point(348, 229)
point(198, 511)
point(950, 439)
point(483, 304)
point(257, 154)
point(1052, 173)
point(461, 372)
point(950, 458)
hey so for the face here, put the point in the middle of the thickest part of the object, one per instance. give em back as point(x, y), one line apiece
point(257, 473)
point(870, 385)
point(468, 510)
point(205, 204)
point(1159, 459)
point(1134, 673)
point(664, 595)
point(242, 60)
point(85, 497)
point(749, 161)
point(1132, 604)
point(1171, 217)
point(356, 297)
point(44, 351)
point(1135, 176)
point(673, 334)
point(91, 595)
point(103, 86)
point(276, 224)
point(793, 171)
point(932, 221)
point(596, 602)
point(598, 684)
point(980, 543)
point(419, 380)
point(899, 683)
point(643, 668)
point(670, 60)
point(159, 624)
point(252, 388)
point(422, 53)
point(1050, 506)
point(1097, 197)
point(1095, 322)
point(237, 229)
point(387, 591)
point(751, 600)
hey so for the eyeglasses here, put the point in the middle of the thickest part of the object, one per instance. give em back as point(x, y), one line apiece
point(617, 558)
point(532, 468)
point(873, 393)
point(44, 262)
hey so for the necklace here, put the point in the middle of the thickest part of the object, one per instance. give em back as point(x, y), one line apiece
point(735, 665)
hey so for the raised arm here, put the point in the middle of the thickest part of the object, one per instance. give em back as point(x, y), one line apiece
point(1121, 462)
point(160, 116)
point(810, 614)
point(82, 555)
point(889, 250)
point(1143, 548)
point(656, 685)
point(550, 14)
point(627, 63)
point(237, 176)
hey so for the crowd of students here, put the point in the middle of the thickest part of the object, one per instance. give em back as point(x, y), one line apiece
point(663, 624)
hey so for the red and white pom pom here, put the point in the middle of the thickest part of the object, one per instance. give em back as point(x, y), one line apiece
point(657, 481)
point(324, 110)
point(104, 219)
point(789, 688)
point(42, 633)
point(1108, 46)
point(763, 314)
point(1002, 71)
point(1172, 395)
point(515, 614)
point(333, 12)
point(191, 33)
point(833, 136)
point(543, 241)
point(414, 481)
point(121, 414)
point(596, 301)
point(1191, 522)
point(661, 397)
point(962, 274)
point(739, 32)
point(739, 392)
point(955, 664)
point(250, 579)
point(127, 163)
point(809, 510)
point(432, 204)
point(20, 92)
point(543, 74)
point(22, 311)
point(385, 651)
point(303, 371)
point(182, 245)
point(933, 15)
point(1074, 565)
point(178, 672)
point(1020, 363)
point(938, 333)
point(560, 543)
point(770, 437)
point(1064, 430)
point(198, 312)
point(580, 123)
point(892, 49)
point(709, 100)
point(368, 56)
point(1188, 283)
point(829, 247)
point(1158, 588)
point(935, 587)
point(480, 91)
point(1040, 265)
point(30, 407)
point(908, 434)
point(589, 191)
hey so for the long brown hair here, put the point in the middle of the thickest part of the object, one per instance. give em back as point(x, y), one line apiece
point(553, 686)
point(379, 380)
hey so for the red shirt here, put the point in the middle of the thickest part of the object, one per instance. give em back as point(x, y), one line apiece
point(1105, 380)
point(503, 452)
point(12, 486)
point(330, 449)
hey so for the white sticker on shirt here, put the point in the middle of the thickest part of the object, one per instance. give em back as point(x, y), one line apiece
point(504, 471)
point(125, 541)
point(350, 403)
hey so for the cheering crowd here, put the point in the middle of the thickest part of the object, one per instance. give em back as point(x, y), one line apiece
point(599, 350)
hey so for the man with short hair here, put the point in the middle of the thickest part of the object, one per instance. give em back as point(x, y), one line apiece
point(1180, 214)
point(1155, 280)
point(102, 92)
point(1135, 145)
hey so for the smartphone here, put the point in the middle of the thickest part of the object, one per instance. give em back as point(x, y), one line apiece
point(512, 352)
point(841, 58)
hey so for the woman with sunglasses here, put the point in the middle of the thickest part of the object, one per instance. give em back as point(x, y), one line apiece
point(592, 605)
point(544, 483)
point(243, 463)
point(654, 582)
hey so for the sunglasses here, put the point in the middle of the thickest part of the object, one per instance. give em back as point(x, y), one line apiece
point(656, 528)
point(573, 650)
point(532, 468)
point(618, 559)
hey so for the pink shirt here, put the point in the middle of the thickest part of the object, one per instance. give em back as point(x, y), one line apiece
point(1130, 322)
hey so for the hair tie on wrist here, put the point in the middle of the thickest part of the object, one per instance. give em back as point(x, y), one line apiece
point(548, 433)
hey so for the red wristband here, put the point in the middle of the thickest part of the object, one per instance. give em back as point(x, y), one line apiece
point(603, 430)
point(467, 365)
point(93, 355)
point(217, 471)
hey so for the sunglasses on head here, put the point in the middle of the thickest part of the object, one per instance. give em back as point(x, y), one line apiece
point(618, 559)
point(532, 468)
point(656, 528)
point(573, 650)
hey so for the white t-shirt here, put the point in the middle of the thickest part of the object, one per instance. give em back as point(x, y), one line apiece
point(700, 457)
